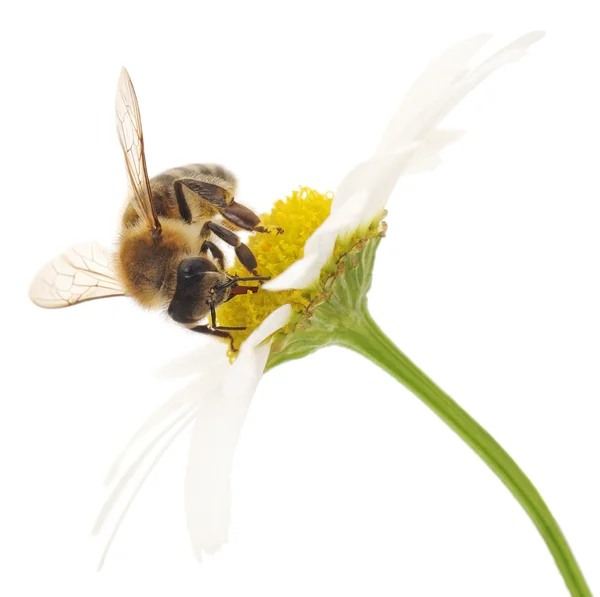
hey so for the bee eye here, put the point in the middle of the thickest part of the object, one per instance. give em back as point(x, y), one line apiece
point(187, 269)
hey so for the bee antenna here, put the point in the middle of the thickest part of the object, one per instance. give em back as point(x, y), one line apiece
point(250, 278)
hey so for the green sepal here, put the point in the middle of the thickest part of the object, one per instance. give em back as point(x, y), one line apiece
point(341, 299)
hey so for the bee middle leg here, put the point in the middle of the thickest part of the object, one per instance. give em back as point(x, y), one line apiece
point(244, 254)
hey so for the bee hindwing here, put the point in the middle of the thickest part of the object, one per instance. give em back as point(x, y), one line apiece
point(81, 273)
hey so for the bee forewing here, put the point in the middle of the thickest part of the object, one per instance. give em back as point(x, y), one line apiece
point(80, 274)
point(129, 128)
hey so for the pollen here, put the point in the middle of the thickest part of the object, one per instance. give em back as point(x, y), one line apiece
point(299, 215)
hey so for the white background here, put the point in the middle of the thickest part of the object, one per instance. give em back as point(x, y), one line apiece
point(344, 483)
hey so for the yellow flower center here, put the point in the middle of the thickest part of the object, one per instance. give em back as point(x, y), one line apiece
point(300, 214)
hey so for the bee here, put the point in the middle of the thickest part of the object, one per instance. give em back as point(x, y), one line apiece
point(165, 258)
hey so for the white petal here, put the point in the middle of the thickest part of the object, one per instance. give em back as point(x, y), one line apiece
point(218, 425)
point(411, 143)
point(217, 402)
point(159, 419)
point(361, 187)
point(433, 85)
point(301, 273)
point(204, 358)
point(425, 161)
point(268, 327)
point(143, 453)
point(150, 461)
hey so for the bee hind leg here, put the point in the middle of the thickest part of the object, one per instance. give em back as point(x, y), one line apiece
point(242, 217)
point(220, 199)
point(244, 254)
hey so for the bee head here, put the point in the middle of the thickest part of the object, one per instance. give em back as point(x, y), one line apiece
point(199, 284)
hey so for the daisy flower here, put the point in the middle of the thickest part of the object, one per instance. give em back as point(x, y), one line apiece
point(321, 271)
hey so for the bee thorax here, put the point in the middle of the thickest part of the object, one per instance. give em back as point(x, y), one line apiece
point(147, 265)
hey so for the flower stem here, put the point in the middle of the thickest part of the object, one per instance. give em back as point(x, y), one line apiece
point(365, 337)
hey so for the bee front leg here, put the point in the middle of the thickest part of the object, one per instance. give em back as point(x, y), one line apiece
point(244, 254)
point(204, 329)
point(215, 327)
point(215, 330)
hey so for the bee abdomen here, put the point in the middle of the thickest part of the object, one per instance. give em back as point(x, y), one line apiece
point(212, 173)
point(163, 192)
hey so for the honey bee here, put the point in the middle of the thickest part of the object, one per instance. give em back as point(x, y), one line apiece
point(165, 257)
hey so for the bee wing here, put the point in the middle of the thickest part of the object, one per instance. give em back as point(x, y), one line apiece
point(129, 128)
point(80, 274)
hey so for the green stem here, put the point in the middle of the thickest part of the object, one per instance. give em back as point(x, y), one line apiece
point(365, 337)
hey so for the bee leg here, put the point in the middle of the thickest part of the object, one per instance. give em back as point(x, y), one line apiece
point(244, 218)
point(182, 204)
point(215, 195)
point(220, 199)
point(213, 322)
point(216, 252)
point(237, 290)
point(244, 254)
point(204, 329)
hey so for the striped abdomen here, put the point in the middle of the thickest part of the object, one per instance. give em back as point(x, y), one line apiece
point(163, 193)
